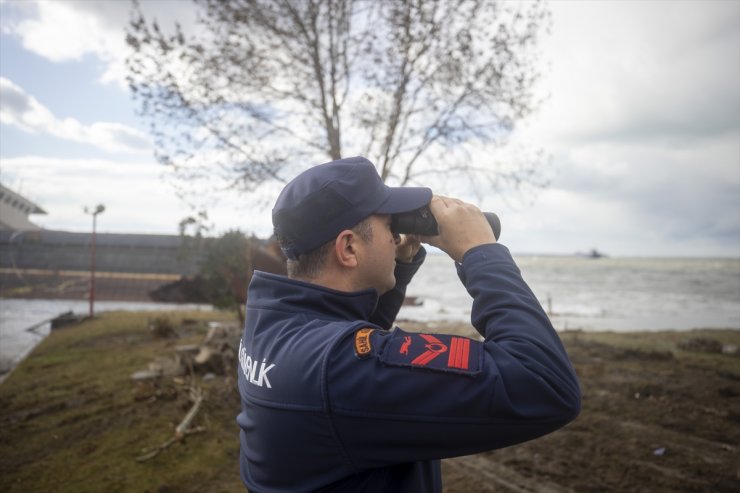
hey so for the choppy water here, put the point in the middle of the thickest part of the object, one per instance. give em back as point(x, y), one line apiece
point(604, 294)
point(601, 294)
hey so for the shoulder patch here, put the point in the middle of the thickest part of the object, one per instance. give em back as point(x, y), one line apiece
point(440, 352)
point(363, 346)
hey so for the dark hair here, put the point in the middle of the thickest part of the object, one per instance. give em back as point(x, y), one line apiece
point(310, 264)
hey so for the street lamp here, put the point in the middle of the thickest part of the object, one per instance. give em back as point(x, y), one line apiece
point(98, 209)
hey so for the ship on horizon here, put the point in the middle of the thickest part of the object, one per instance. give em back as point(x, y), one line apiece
point(593, 253)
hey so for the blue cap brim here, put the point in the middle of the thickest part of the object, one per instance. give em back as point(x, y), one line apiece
point(404, 199)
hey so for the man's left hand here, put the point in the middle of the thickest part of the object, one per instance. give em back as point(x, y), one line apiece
point(407, 248)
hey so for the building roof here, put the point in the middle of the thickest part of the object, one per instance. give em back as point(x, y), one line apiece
point(16, 200)
point(15, 209)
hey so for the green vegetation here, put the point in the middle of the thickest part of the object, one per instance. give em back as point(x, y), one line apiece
point(226, 270)
point(73, 420)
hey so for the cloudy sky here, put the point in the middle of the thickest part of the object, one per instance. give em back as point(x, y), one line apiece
point(642, 124)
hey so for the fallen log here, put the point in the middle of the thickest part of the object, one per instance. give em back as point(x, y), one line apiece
point(181, 430)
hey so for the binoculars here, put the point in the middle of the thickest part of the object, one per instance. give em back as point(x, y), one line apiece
point(422, 222)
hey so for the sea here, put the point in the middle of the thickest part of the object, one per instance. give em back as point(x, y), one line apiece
point(620, 294)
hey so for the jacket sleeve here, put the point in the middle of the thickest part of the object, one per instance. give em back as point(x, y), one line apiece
point(390, 303)
point(413, 397)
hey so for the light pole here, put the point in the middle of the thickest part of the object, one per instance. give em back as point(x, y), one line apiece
point(99, 209)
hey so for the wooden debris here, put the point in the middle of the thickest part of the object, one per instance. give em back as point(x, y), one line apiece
point(66, 319)
point(182, 430)
point(215, 354)
point(145, 375)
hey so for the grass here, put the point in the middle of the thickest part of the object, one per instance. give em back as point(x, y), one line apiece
point(654, 344)
point(71, 420)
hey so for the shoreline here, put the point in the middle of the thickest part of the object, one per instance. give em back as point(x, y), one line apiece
point(661, 413)
point(24, 329)
point(8, 363)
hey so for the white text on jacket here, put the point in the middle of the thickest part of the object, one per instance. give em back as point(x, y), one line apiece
point(254, 372)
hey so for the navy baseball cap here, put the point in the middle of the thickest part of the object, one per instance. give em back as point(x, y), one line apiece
point(324, 200)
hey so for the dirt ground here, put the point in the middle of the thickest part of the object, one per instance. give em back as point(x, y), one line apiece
point(661, 413)
point(655, 418)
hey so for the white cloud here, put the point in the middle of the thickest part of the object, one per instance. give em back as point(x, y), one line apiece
point(635, 70)
point(642, 125)
point(636, 199)
point(137, 196)
point(19, 109)
point(63, 32)
point(644, 130)
point(67, 31)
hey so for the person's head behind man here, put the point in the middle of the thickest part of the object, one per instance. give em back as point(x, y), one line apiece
point(333, 223)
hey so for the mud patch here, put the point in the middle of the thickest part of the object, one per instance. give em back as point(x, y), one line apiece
point(652, 420)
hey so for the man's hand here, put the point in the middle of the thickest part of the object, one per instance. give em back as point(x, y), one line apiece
point(407, 246)
point(462, 226)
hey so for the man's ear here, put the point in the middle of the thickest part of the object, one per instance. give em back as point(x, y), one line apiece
point(345, 248)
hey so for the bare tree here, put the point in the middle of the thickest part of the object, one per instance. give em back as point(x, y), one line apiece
point(267, 87)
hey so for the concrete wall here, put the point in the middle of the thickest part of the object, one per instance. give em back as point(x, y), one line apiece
point(61, 250)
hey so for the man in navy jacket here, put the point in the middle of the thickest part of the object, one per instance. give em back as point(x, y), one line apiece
point(334, 398)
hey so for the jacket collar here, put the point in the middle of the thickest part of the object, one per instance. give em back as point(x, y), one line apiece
point(291, 295)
